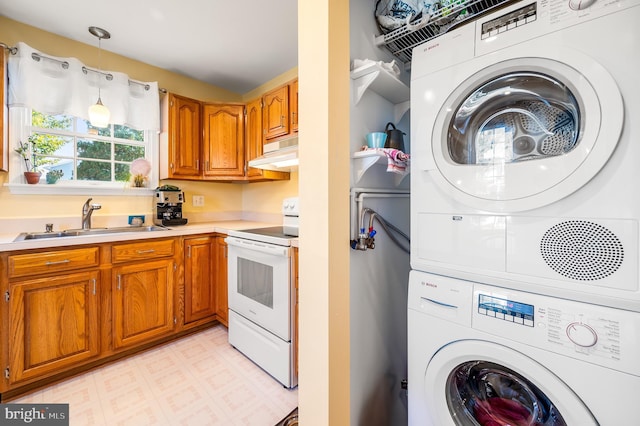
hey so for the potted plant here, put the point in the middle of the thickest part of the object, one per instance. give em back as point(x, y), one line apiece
point(54, 175)
point(28, 153)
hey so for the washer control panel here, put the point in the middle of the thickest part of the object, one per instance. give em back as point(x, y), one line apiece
point(507, 310)
point(597, 334)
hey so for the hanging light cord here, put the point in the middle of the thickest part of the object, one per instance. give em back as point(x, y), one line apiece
point(99, 68)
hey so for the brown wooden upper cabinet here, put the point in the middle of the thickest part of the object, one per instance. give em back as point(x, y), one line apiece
point(212, 142)
point(280, 112)
point(275, 113)
point(293, 105)
point(185, 130)
point(223, 141)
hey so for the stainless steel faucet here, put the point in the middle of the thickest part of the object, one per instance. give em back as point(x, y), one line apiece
point(87, 210)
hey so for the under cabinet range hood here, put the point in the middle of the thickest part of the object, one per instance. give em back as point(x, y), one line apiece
point(281, 156)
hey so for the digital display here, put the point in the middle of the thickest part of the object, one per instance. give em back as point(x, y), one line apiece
point(505, 309)
point(509, 21)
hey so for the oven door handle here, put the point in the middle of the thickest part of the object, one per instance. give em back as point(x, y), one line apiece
point(272, 249)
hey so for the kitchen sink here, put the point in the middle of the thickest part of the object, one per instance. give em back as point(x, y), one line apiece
point(93, 231)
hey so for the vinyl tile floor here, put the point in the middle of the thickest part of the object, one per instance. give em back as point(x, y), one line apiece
point(199, 380)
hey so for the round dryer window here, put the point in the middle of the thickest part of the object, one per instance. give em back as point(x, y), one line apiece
point(515, 117)
point(526, 132)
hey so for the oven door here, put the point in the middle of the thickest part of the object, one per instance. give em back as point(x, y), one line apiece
point(260, 284)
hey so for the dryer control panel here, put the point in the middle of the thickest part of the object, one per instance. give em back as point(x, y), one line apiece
point(509, 21)
point(596, 334)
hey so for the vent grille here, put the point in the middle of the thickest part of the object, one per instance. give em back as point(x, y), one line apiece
point(582, 250)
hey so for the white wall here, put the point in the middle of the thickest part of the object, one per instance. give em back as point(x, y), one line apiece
point(378, 277)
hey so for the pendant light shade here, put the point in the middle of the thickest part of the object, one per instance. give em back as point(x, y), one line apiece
point(98, 113)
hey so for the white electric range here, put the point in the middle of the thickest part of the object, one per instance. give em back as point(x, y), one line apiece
point(262, 294)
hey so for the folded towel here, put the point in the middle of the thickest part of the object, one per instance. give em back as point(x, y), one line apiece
point(397, 161)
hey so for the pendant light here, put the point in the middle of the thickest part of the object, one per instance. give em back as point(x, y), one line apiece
point(98, 113)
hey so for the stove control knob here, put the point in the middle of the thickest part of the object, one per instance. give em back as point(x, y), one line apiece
point(582, 334)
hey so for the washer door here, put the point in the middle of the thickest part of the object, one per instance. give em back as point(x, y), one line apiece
point(472, 382)
point(526, 132)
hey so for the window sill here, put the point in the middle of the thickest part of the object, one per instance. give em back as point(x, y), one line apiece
point(62, 189)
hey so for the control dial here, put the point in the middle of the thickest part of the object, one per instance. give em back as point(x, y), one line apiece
point(581, 334)
point(580, 4)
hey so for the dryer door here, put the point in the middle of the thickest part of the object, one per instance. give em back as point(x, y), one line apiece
point(525, 132)
point(471, 382)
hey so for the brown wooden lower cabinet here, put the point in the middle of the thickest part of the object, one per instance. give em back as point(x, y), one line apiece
point(142, 302)
point(69, 309)
point(222, 298)
point(199, 278)
point(54, 324)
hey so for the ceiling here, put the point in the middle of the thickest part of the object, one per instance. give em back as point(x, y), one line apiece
point(235, 45)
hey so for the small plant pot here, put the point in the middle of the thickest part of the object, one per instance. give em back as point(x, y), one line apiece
point(32, 177)
point(52, 179)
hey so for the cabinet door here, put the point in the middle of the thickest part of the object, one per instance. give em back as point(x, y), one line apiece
point(53, 324)
point(184, 137)
point(142, 302)
point(254, 134)
point(275, 113)
point(253, 126)
point(293, 105)
point(222, 298)
point(199, 278)
point(4, 148)
point(223, 140)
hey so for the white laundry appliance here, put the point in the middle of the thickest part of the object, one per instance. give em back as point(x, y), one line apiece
point(525, 150)
point(484, 355)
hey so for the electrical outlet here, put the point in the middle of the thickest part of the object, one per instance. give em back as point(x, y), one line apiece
point(136, 220)
point(198, 201)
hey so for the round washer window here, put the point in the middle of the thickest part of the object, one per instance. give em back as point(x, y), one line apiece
point(514, 117)
point(487, 394)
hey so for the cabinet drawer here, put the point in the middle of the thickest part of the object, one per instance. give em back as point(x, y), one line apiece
point(148, 249)
point(21, 265)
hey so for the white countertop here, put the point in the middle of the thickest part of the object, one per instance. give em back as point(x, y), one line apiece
point(7, 240)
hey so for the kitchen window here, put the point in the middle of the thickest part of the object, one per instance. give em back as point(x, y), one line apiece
point(88, 158)
point(85, 153)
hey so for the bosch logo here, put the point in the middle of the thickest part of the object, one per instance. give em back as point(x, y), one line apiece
point(428, 284)
point(433, 46)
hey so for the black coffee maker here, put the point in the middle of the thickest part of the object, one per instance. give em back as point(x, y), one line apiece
point(168, 210)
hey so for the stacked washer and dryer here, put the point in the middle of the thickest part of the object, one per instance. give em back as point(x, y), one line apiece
point(524, 296)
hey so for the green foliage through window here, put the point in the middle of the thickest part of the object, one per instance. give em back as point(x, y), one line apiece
point(82, 152)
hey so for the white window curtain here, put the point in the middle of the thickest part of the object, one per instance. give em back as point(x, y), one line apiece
point(67, 86)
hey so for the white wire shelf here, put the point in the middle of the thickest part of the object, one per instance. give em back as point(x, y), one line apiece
point(401, 41)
